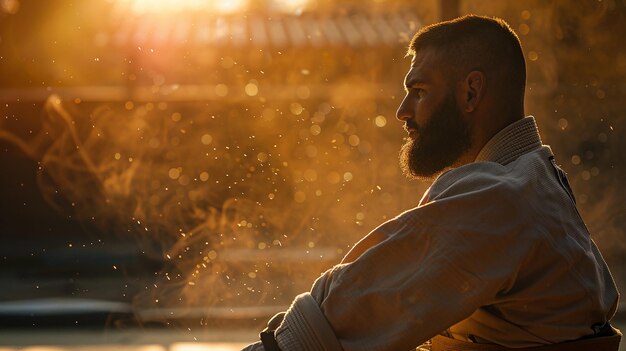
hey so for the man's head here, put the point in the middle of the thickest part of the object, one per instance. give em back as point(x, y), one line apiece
point(466, 82)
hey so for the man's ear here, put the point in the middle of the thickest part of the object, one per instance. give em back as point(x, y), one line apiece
point(474, 86)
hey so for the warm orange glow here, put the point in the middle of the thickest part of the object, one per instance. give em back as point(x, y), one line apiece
point(228, 6)
point(141, 7)
point(196, 346)
point(290, 6)
point(246, 146)
point(9, 6)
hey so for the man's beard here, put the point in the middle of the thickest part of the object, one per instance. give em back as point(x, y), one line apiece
point(439, 143)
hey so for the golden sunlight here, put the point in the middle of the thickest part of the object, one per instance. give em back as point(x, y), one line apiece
point(141, 7)
point(290, 6)
point(182, 169)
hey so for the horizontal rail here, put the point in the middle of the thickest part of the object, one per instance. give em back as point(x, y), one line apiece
point(191, 92)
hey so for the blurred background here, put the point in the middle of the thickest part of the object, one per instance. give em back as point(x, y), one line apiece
point(175, 172)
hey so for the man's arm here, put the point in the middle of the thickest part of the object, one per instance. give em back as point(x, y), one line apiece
point(434, 266)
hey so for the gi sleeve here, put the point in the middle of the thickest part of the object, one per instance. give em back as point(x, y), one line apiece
point(428, 269)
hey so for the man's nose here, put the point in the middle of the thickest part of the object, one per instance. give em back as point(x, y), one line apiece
point(404, 112)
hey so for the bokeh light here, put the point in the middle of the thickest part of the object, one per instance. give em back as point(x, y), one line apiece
point(241, 147)
point(168, 7)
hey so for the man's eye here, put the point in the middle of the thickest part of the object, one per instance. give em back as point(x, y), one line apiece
point(419, 91)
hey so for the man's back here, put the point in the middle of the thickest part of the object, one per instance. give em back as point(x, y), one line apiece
point(559, 287)
point(494, 253)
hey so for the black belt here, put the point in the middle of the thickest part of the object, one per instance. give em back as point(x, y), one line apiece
point(268, 339)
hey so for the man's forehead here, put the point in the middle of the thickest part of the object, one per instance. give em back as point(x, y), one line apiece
point(419, 69)
point(424, 57)
point(425, 65)
point(414, 76)
point(419, 57)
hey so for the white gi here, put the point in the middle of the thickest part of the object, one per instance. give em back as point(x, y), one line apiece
point(495, 252)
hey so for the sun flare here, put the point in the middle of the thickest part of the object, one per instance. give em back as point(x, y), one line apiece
point(141, 7)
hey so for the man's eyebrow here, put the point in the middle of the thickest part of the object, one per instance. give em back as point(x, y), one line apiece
point(413, 81)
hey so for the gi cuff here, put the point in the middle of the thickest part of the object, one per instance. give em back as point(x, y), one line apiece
point(305, 327)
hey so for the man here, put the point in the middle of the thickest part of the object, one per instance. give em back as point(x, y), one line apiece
point(494, 254)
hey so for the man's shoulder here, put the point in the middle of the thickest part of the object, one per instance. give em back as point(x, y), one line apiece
point(512, 179)
point(470, 178)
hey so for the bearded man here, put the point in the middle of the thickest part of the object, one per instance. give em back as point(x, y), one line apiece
point(495, 256)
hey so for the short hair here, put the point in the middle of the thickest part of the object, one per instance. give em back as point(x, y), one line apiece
point(478, 43)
